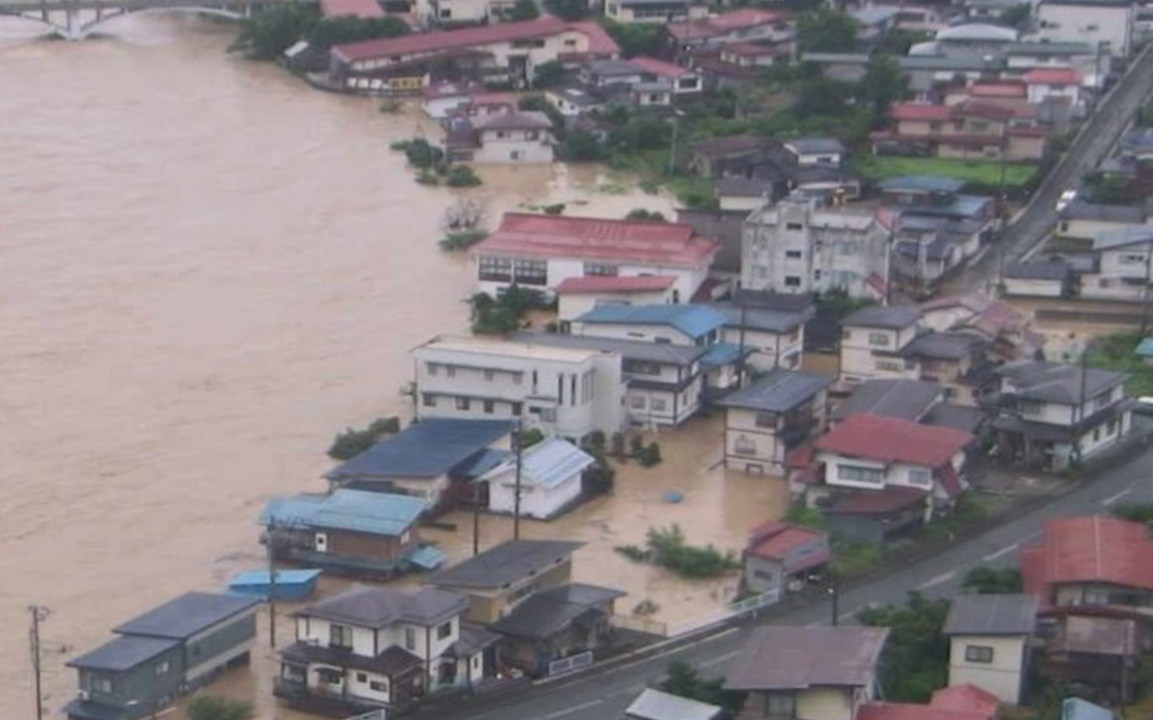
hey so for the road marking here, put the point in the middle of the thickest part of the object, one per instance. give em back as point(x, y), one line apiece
point(1115, 497)
point(942, 578)
point(1003, 551)
point(571, 710)
point(719, 659)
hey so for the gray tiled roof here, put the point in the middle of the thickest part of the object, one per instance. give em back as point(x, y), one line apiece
point(991, 615)
point(756, 318)
point(187, 615)
point(959, 417)
point(1057, 382)
point(123, 653)
point(378, 607)
point(779, 390)
point(505, 563)
point(942, 346)
point(809, 145)
point(904, 399)
point(552, 611)
point(1047, 270)
point(796, 658)
point(1084, 210)
point(428, 448)
point(663, 353)
point(879, 316)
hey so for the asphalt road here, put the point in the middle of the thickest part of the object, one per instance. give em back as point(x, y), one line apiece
point(604, 694)
point(1100, 134)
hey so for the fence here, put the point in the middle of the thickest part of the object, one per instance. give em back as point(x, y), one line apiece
point(374, 715)
point(569, 664)
point(640, 624)
point(756, 602)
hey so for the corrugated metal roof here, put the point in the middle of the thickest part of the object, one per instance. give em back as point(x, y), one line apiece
point(547, 464)
point(378, 607)
point(693, 320)
point(345, 509)
point(187, 615)
point(429, 448)
point(505, 563)
point(779, 390)
point(1007, 614)
point(796, 658)
point(656, 705)
point(123, 653)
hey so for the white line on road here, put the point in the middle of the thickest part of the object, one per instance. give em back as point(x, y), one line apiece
point(719, 659)
point(942, 578)
point(1115, 497)
point(571, 710)
point(1003, 551)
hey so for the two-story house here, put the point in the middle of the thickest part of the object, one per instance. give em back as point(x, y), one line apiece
point(1122, 265)
point(348, 531)
point(163, 654)
point(374, 647)
point(654, 11)
point(771, 324)
point(743, 25)
point(566, 391)
point(917, 401)
point(772, 415)
point(989, 637)
point(872, 341)
point(807, 673)
point(664, 382)
point(1051, 414)
point(874, 476)
point(542, 251)
point(522, 590)
point(433, 459)
point(968, 130)
point(523, 137)
point(1104, 24)
point(797, 246)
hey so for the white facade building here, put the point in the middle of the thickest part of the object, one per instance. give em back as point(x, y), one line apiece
point(577, 296)
point(1104, 24)
point(872, 340)
point(550, 480)
point(568, 392)
point(797, 247)
point(514, 138)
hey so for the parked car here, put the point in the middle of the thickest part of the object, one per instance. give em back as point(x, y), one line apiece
point(1066, 197)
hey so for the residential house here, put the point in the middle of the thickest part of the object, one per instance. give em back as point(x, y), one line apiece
point(454, 13)
point(970, 39)
point(778, 553)
point(382, 647)
point(682, 80)
point(444, 99)
point(986, 10)
point(656, 705)
point(1052, 415)
point(658, 93)
point(958, 702)
point(1045, 278)
point(575, 101)
point(1080, 56)
point(874, 476)
point(746, 55)
point(605, 75)
point(767, 324)
point(654, 11)
point(1089, 562)
point(1007, 330)
point(569, 392)
point(1122, 265)
point(846, 67)
point(163, 654)
point(770, 416)
point(503, 52)
point(549, 480)
point(434, 459)
point(921, 18)
point(743, 194)
point(966, 698)
point(1099, 653)
point(363, 9)
point(542, 251)
point(807, 673)
point(1087, 220)
point(664, 383)
point(522, 590)
point(1055, 84)
point(989, 639)
point(873, 340)
point(968, 130)
point(815, 151)
point(744, 25)
point(352, 532)
point(927, 74)
point(1104, 24)
point(954, 361)
point(911, 400)
point(874, 22)
point(796, 246)
point(515, 137)
point(732, 155)
point(578, 295)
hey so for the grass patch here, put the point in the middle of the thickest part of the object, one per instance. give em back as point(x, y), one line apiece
point(651, 168)
point(668, 548)
point(854, 560)
point(983, 172)
point(1115, 352)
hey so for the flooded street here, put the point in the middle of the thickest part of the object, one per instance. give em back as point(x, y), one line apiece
point(206, 270)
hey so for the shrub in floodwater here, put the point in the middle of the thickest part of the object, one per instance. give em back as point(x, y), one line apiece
point(422, 154)
point(649, 455)
point(667, 547)
point(633, 552)
point(427, 177)
point(462, 240)
point(208, 707)
point(352, 442)
point(461, 176)
point(557, 209)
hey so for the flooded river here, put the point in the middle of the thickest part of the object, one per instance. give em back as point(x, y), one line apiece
point(206, 269)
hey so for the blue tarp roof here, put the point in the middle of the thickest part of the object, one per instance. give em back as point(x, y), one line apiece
point(358, 510)
point(427, 557)
point(283, 577)
point(693, 320)
point(429, 448)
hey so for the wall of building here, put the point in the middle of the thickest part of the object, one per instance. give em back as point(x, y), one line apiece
point(1002, 676)
point(688, 279)
point(148, 682)
point(573, 306)
point(514, 147)
point(633, 331)
point(763, 575)
point(770, 349)
point(1098, 25)
point(219, 645)
point(535, 501)
point(1028, 287)
point(825, 703)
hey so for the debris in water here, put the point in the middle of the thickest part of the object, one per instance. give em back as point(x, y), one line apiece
point(673, 496)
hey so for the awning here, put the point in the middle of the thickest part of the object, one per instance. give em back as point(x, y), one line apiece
point(427, 557)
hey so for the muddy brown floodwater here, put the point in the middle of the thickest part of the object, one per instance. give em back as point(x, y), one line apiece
point(206, 269)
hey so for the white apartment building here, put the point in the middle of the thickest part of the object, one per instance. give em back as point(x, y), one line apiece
point(1103, 24)
point(542, 251)
point(795, 246)
point(568, 392)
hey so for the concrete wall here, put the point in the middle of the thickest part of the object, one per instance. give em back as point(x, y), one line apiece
point(1002, 676)
point(1028, 287)
point(1091, 23)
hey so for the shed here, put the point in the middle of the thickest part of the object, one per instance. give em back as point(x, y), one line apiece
point(551, 475)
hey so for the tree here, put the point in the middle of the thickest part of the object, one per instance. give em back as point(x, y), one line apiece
point(271, 31)
point(523, 10)
point(826, 30)
point(568, 9)
point(882, 85)
point(820, 96)
point(352, 442)
point(345, 29)
point(988, 581)
point(684, 681)
point(547, 74)
point(207, 707)
point(635, 39)
point(581, 146)
point(916, 659)
point(1017, 16)
point(642, 215)
point(422, 155)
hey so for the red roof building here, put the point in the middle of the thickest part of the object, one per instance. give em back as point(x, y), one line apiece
point(1093, 560)
point(659, 68)
point(365, 9)
point(593, 284)
point(733, 26)
point(972, 128)
point(966, 698)
point(779, 542)
point(958, 702)
point(1052, 76)
point(892, 440)
point(919, 111)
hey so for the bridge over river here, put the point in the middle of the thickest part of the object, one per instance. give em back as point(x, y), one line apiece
point(78, 19)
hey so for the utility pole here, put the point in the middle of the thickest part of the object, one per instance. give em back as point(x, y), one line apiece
point(476, 517)
point(516, 489)
point(1145, 292)
point(741, 352)
point(1081, 409)
point(271, 547)
point(834, 591)
point(39, 614)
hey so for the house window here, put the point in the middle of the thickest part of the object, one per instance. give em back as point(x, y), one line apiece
point(601, 269)
point(792, 281)
point(859, 473)
point(532, 135)
point(517, 378)
point(640, 367)
point(657, 405)
point(516, 408)
point(489, 375)
point(920, 478)
point(979, 654)
point(890, 366)
point(162, 668)
point(780, 705)
point(1031, 407)
point(462, 403)
point(444, 631)
point(548, 415)
point(489, 407)
point(497, 269)
point(378, 686)
point(744, 445)
point(501, 134)
point(409, 639)
point(637, 402)
point(100, 685)
point(339, 636)
point(794, 254)
point(362, 677)
point(432, 368)
point(531, 272)
point(1112, 427)
point(450, 370)
point(879, 338)
point(428, 399)
point(794, 226)
point(766, 420)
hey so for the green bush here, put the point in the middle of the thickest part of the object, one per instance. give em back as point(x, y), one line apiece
point(642, 215)
point(272, 30)
point(530, 437)
point(346, 29)
point(557, 209)
point(805, 516)
point(501, 316)
point(633, 552)
point(462, 240)
point(596, 440)
point(667, 548)
point(352, 442)
point(649, 455)
point(684, 681)
point(427, 177)
point(916, 657)
point(600, 477)
point(617, 446)
point(208, 707)
point(636, 445)
point(461, 176)
point(421, 154)
point(989, 581)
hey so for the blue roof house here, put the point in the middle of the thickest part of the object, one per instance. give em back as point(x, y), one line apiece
point(349, 531)
point(163, 654)
point(434, 459)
